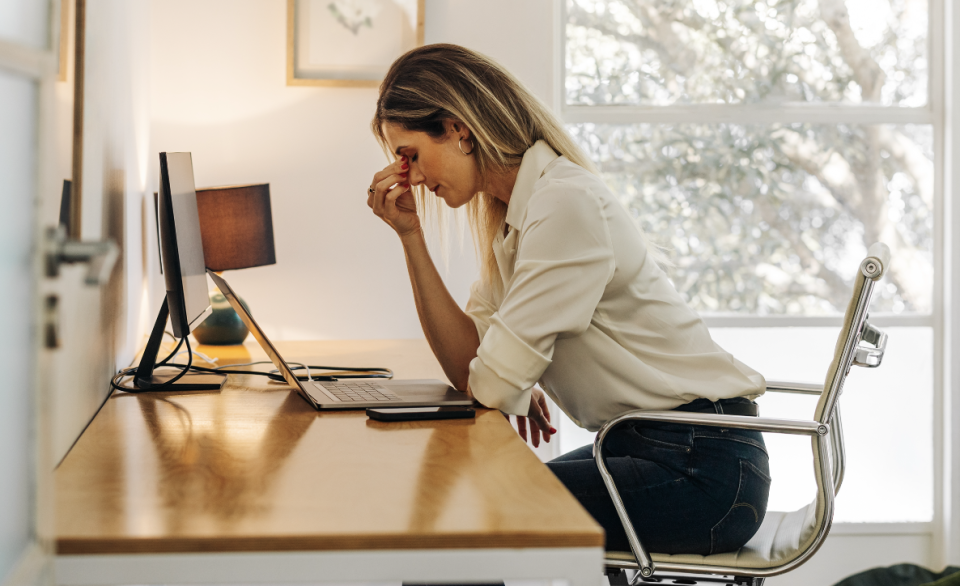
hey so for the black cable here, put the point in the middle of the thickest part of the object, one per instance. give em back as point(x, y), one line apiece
point(174, 353)
point(115, 381)
point(360, 372)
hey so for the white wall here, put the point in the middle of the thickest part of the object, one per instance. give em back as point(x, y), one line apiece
point(18, 168)
point(219, 91)
point(102, 327)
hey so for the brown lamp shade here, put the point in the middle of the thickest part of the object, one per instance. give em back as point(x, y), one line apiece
point(236, 226)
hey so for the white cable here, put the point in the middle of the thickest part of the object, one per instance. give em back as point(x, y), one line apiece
point(305, 367)
point(199, 355)
point(244, 364)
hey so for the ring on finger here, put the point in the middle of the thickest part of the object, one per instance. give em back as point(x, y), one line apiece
point(371, 190)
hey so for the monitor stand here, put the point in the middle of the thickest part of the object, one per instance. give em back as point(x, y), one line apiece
point(146, 379)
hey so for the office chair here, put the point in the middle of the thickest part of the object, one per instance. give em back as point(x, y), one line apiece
point(785, 540)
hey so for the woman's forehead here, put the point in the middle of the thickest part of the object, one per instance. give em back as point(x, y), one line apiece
point(396, 134)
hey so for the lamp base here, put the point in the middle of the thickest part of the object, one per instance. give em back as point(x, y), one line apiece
point(223, 327)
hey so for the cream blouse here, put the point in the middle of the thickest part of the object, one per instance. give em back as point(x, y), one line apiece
point(585, 310)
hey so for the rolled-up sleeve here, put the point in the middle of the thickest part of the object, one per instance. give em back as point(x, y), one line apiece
point(481, 306)
point(564, 261)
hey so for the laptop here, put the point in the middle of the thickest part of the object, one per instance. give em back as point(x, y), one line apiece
point(348, 394)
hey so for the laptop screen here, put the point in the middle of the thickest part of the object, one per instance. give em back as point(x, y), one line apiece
point(262, 339)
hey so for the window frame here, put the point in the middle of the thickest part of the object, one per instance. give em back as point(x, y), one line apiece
point(944, 528)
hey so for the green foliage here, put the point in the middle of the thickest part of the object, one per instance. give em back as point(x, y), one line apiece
point(746, 51)
point(763, 219)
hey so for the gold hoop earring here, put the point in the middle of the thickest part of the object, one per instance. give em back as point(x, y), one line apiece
point(460, 146)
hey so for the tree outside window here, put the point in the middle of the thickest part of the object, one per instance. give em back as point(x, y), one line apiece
point(765, 145)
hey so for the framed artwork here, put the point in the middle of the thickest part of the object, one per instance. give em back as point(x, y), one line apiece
point(349, 42)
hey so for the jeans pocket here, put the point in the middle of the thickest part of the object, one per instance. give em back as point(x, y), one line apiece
point(643, 440)
point(747, 437)
point(667, 436)
point(746, 514)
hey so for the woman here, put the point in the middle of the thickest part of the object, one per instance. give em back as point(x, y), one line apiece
point(570, 296)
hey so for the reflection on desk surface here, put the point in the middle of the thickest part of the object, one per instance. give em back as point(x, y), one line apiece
point(214, 467)
point(255, 468)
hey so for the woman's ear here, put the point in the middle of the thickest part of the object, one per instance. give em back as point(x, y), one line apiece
point(457, 128)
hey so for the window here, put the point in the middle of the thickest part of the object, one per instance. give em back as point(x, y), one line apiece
point(766, 144)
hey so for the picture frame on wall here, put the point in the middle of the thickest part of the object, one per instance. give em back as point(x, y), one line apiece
point(349, 43)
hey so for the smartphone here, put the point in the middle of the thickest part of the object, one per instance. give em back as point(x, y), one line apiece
point(419, 413)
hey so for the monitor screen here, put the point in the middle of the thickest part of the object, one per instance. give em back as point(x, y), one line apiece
point(184, 269)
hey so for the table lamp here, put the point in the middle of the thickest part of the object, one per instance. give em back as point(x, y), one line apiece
point(236, 227)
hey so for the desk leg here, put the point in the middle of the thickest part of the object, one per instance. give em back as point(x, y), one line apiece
point(576, 566)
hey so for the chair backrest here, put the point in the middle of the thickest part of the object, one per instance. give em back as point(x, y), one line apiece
point(855, 328)
point(854, 320)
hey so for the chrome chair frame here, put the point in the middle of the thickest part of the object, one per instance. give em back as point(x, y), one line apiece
point(825, 428)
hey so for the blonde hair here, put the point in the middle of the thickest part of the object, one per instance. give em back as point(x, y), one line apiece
point(434, 83)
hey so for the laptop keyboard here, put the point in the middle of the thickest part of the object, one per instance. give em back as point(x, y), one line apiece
point(358, 391)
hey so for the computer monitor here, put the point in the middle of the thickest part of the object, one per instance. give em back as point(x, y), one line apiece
point(185, 271)
point(187, 302)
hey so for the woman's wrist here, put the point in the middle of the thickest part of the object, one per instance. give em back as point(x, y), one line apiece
point(412, 235)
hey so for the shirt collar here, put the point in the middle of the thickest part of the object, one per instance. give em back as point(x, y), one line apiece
point(535, 160)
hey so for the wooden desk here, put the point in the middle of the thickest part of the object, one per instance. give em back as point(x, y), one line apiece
point(249, 484)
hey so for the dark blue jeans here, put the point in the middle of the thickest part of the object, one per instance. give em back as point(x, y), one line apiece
point(687, 489)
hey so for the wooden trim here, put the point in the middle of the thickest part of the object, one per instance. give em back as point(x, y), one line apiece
point(64, 48)
point(76, 197)
point(333, 82)
point(293, 80)
point(291, 29)
point(421, 11)
point(22, 60)
point(379, 541)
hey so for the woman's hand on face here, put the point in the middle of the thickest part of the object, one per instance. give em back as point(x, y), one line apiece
point(539, 418)
point(391, 200)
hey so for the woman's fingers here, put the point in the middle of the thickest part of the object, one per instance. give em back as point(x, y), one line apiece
point(390, 208)
point(390, 198)
point(383, 188)
point(385, 206)
point(535, 433)
point(522, 426)
point(384, 181)
point(396, 167)
point(542, 400)
point(406, 202)
point(384, 185)
point(543, 424)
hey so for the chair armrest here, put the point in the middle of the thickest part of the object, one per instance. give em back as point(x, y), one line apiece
point(769, 424)
point(799, 388)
